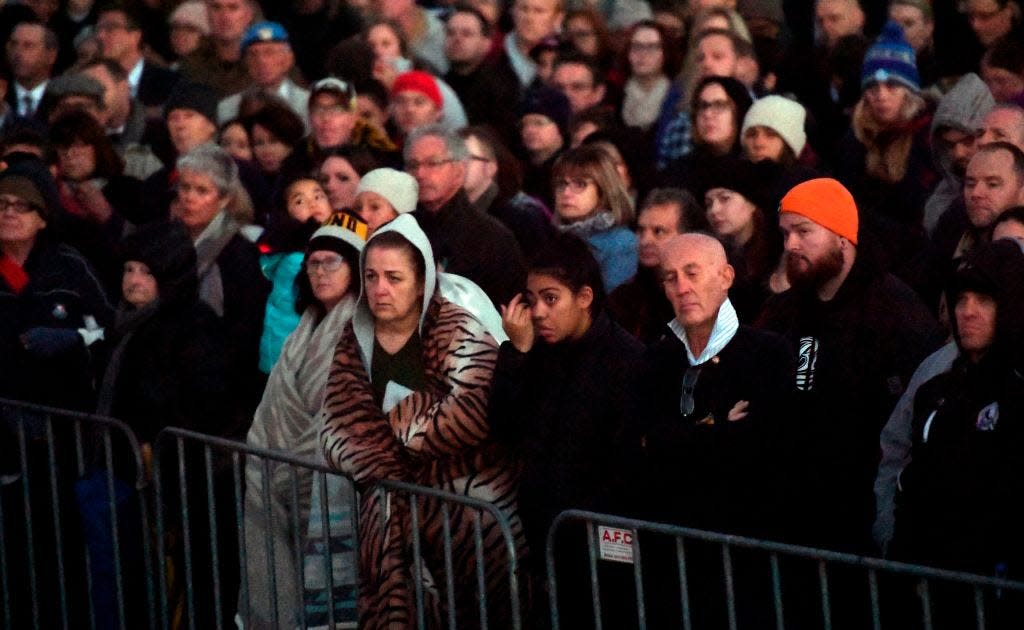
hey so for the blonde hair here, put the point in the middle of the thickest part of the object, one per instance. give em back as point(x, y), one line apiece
point(887, 153)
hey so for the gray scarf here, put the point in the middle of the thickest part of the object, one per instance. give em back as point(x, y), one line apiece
point(209, 246)
point(600, 221)
point(640, 107)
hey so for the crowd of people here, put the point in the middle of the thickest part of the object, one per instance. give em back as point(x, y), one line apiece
point(750, 266)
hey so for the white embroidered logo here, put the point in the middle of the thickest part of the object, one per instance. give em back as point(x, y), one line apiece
point(806, 363)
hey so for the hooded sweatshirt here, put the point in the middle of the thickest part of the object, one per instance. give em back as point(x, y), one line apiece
point(963, 108)
point(956, 506)
point(436, 435)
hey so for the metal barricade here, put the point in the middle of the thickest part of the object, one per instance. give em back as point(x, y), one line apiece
point(773, 585)
point(213, 493)
point(478, 557)
point(208, 539)
point(73, 514)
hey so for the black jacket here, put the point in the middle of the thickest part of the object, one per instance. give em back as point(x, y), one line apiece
point(562, 408)
point(156, 85)
point(856, 354)
point(475, 245)
point(173, 374)
point(490, 95)
point(722, 473)
point(63, 289)
point(957, 500)
point(245, 298)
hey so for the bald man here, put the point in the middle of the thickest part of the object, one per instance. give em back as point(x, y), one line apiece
point(710, 400)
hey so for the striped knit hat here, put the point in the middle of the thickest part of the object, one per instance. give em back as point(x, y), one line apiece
point(891, 58)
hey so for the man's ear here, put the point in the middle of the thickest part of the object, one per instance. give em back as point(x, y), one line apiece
point(601, 90)
point(728, 275)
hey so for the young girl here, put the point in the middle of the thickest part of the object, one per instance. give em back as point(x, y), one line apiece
point(384, 194)
point(282, 247)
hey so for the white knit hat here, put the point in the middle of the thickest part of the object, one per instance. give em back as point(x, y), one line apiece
point(400, 189)
point(783, 116)
point(191, 13)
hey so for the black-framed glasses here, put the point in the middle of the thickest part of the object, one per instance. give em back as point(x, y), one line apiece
point(686, 400)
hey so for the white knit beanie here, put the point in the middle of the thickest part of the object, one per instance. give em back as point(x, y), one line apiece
point(191, 13)
point(400, 189)
point(783, 116)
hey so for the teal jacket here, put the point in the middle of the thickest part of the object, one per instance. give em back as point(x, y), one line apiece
point(280, 318)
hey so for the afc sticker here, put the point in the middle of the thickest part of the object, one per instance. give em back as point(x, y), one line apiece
point(615, 544)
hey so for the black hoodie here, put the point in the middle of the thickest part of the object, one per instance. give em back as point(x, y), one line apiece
point(957, 500)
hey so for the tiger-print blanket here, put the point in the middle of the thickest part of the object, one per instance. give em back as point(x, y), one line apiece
point(438, 437)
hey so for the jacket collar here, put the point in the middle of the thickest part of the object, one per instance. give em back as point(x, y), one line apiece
point(726, 325)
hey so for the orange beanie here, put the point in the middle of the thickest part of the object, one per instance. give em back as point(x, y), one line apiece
point(826, 202)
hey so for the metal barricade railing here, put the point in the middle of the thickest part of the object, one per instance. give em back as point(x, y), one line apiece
point(73, 513)
point(851, 591)
point(202, 500)
point(208, 499)
point(479, 557)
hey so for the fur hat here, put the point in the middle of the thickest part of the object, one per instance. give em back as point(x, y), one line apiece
point(891, 58)
point(826, 202)
point(784, 116)
point(400, 189)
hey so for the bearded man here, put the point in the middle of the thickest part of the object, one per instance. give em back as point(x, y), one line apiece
point(859, 333)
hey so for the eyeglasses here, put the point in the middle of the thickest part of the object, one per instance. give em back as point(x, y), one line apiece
point(20, 206)
point(573, 184)
point(715, 107)
point(327, 265)
point(414, 165)
point(686, 401)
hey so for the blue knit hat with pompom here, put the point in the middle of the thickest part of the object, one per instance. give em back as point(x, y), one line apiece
point(891, 58)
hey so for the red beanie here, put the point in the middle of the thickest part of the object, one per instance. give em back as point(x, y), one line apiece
point(418, 81)
point(826, 202)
